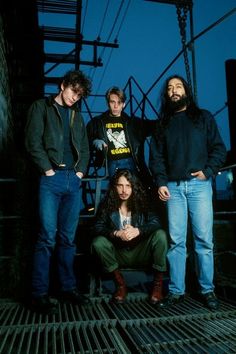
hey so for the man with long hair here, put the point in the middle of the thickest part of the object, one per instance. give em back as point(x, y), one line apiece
point(56, 140)
point(129, 234)
point(186, 153)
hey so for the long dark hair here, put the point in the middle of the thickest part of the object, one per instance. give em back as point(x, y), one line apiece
point(193, 111)
point(138, 201)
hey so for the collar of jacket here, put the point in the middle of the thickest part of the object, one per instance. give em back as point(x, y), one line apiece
point(51, 100)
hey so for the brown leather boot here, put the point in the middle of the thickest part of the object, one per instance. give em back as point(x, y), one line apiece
point(121, 290)
point(156, 294)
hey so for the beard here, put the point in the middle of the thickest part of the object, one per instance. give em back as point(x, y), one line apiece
point(175, 106)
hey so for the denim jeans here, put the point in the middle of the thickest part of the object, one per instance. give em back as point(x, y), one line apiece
point(114, 165)
point(59, 207)
point(193, 199)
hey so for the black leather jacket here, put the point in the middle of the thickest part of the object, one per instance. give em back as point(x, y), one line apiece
point(106, 224)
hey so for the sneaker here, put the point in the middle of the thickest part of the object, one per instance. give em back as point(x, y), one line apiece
point(170, 300)
point(44, 304)
point(211, 301)
point(74, 297)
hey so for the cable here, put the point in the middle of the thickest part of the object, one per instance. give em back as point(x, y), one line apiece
point(123, 18)
point(103, 20)
point(101, 79)
point(85, 13)
point(119, 29)
point(113, 26)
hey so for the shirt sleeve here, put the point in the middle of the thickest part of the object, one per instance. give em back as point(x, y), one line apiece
point(216, 148)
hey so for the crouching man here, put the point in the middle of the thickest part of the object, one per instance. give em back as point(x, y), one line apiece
point(129, 235)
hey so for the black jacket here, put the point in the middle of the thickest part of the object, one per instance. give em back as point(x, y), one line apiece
point(106, 224)
point(136, 130)
point(186, 147)
point(44, 136)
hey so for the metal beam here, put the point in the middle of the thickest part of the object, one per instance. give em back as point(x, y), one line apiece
point(174, 2)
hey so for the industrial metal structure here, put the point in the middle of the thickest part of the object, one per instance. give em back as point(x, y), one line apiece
point(101, 327)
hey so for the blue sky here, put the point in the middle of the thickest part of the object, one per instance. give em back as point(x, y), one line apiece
point(149, 39)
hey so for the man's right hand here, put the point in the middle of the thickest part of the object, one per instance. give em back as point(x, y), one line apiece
point(50, 172)
point(128, 233)
point(163, 193)
point(99, 144)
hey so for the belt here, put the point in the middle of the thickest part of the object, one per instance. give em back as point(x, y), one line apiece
point(62, 166)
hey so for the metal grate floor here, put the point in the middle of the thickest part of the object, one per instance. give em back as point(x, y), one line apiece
point(103, 327)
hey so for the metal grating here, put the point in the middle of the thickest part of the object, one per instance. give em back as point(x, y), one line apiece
point(68, 7)
point(103, 327)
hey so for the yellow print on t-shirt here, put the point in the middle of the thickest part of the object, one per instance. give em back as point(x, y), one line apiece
point(114, 125)
point(120, 151)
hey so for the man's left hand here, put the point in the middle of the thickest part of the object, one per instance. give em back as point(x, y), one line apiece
point(199, 174)
point(130, 232)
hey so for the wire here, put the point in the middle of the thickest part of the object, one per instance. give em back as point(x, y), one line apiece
point(123, 18)
point(101, 79)
point(85, 13)
point(113, 26)
point(220, 110)
point(112, 29)
point(103, 19)
point(109, 58)
point(231, 12)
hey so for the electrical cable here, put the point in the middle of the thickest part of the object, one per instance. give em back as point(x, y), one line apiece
point(119, 29)
point(123, 18)
point(103, 20)
point(85, 13)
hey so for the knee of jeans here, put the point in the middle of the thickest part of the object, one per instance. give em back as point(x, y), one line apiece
point(45, 244)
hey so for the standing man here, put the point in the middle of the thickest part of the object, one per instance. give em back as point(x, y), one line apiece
point(122, 136)
point(129, 234)
point(184, 156)
point(56, 140)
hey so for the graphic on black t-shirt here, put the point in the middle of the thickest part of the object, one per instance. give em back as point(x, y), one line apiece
point(118, 147)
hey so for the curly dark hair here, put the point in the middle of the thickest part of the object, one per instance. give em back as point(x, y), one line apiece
point(138, 201)
point(166, 111)
point(77, 78)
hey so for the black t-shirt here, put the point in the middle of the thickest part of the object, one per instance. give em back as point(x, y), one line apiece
point(118, 147)
point(68, 153)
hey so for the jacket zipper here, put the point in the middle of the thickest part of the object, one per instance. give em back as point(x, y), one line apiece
point(72, 135)
point(61, 135)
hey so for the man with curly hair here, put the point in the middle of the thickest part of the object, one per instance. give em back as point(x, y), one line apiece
point(57, 142)
point(129, 234)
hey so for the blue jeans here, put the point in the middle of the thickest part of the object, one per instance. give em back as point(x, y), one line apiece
point(59, 207)
point(191, 198)
point(114, 165)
